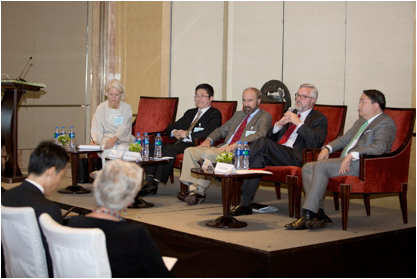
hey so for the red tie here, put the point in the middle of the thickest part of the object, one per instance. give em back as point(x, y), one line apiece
point(288, 133)
point(239, 131)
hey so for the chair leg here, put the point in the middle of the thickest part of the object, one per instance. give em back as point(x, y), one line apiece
point(403, 202)
point(278, 190)
point(297, 190)
point(345, 194)
point(367, 201)
point(290, 196)
point(336, 200)
point(183, 187)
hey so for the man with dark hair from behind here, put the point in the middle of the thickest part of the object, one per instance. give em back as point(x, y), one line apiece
point(47, 165)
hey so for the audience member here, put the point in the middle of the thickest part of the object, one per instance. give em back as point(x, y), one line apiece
point(285, 141)
point(198, 122)
point(111, 127)
point(247, 125)
point(373, 134)
point(131, 250)
point(47, 166)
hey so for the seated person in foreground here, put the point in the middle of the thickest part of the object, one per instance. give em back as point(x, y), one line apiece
point(111, 127)
point(197, 122)
point(285, 141)
point(131, 250)
point(47, 165)
point(247, 125)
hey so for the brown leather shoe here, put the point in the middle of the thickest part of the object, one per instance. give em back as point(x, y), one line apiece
point(299, 224)
point(181, 195)
point(194, 199)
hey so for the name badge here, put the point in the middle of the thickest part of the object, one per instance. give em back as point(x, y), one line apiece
point(249, 133)
point(118, 120)
point(198, 129)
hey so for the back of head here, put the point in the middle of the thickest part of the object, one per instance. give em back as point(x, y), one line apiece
point(117, 184)
point(209, 89)
point(376, 96)
point(45, 156)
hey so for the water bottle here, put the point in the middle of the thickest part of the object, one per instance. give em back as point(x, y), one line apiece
point(245, 164)
point(56, 134)
point(138, 139)
point(62, 132)
point(145, 149)
point(158, 146)
point(72, 138)
point(238, 156)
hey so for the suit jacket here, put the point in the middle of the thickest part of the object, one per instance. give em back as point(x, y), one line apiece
point(310, 135)
point(210, 120)
point(28, 194)
point(260, 123)
point(377, 138)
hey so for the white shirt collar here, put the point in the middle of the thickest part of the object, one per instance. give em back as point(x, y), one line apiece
point(373, 118)
point(37, 185)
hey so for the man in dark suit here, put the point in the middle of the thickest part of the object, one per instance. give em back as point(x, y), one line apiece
point(373, 133)
point(198, 122)
point(285, 141)
point(247, 125)
point(47, 166)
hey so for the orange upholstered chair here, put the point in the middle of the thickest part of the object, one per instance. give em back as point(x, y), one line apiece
point(291, 175)
point(227, 109)
point(387, 173)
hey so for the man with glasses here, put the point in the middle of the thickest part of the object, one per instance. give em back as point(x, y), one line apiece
point(198, 122)
point(285, 141)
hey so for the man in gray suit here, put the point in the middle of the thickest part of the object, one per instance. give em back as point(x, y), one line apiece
point(373, 133)
point(247, 125)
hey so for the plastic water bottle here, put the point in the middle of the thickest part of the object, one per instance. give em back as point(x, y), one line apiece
point(245, 164)
point(138, 139)
point(62, 132)
point(56, 134)
point(158, 146)
point(145, 148)
point(238, 156)
point(72, 138)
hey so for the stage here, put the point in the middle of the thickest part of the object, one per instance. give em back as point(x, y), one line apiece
point(380, 245)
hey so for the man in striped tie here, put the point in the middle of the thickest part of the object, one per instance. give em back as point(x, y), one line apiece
point(247, 125)
point(373, 133)
point(285, 141)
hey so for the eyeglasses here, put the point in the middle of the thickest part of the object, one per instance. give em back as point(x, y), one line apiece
point(302, 97)
point(200, 97)
point(6, 157)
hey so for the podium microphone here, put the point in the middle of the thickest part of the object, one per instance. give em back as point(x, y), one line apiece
point(19, 78)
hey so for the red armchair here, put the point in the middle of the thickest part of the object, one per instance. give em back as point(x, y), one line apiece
point(387, 173)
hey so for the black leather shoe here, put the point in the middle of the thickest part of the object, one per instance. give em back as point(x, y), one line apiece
point(148, 188)
point(324, 218)
point(140, 203)
point(241, 210)
point(181, 195)
point(194, 199)
point(300, 224)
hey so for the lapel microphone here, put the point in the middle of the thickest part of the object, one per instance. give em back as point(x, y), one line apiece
point(20, 76)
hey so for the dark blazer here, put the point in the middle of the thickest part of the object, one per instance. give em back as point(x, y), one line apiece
point(210, 120)
point(28, 194)
point(310, 135)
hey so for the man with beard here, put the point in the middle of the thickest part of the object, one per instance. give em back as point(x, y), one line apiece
point(285, 141)
point(247, 125)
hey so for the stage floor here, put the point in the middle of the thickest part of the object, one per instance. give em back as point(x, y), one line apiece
point(265, 233)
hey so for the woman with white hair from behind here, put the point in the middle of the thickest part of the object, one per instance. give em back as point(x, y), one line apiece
point(131, 250)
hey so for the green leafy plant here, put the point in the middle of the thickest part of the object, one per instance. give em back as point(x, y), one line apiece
point(225, 157)
point(63, 139)
point(135, 147)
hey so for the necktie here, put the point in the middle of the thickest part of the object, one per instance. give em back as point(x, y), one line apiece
point(239, 131)
point(347, 147)
point(288, 133)
point(191, 127)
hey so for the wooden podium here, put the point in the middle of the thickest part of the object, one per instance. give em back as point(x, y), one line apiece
point(13, 91)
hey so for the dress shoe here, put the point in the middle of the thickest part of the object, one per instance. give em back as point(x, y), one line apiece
point(324, 218)
point(148, 188)
point(321, 221)
point(241, 210)
point(300, 224)
point(192, 198)
point(181, 195)
point(140, 203)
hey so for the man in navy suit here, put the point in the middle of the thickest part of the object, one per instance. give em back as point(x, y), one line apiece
point(47, 165)
point(207, 120)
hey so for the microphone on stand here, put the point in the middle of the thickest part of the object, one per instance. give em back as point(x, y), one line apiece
point(20, 76)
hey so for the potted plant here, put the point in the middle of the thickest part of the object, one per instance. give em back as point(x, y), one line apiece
point(64, 141)
point(225, 157)
point(135, 147)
